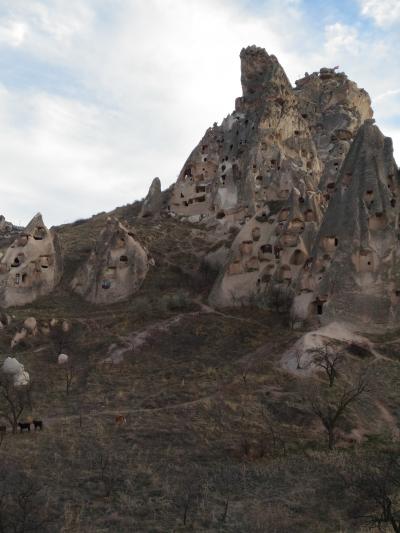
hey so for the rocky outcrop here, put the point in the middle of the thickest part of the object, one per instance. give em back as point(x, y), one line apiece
point(116, 268)
point(354, 274)
point(334, 108)
point(277, 138)
point(271, 168)
point(257, 155)
point(152, 204)
point(31, 266)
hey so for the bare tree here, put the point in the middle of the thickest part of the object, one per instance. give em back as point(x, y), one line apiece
point(375, 487)
point(330, 408)
point(13, 400)
point(328, 360)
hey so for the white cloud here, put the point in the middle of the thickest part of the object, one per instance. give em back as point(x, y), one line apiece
point(341, 38)
point(383, 12)
point(12, 33)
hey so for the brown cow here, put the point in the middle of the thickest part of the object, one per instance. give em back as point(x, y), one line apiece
point(120, 420)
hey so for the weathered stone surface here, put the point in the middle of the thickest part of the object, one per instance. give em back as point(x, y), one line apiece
point(31, 266)
point(355, 271)
point(334, 108)
point(258, 154)
point(116, 268)
point(277, 138)
point(152, 204)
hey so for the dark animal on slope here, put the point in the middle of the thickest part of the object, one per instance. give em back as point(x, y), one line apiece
point(38, 424)
point(24, 426)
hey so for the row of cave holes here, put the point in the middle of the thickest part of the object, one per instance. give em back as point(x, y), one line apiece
point(20, 259)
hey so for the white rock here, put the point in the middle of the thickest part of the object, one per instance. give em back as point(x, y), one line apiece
point(30, 324)
point(11, 366)
point(62, 359)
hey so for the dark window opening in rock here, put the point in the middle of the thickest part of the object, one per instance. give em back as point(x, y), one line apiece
point(266, 248)
point(370, 192)
point(231, 147)
point(304, 115)
point(188, 172)
point(298, 258)
point(39, 234)
point(296, 132)
point(24, 278)
point(223, 167)
point(301, 200)
point(17, 278)
point(204, 159)
point(259, 178)
point(330, 186)
point(336, 241)
point(237, 133)
point(273, 162)
point(200, 188)
point(182, 195)
point(186, 204)
point(105, 284)
point(204, 147)
point(320, 308)
point(123, 259)
point(200, 199)
point(397, 292)
point(220, 215)
point(393, 202)
point(309, 164)
point(15, 263)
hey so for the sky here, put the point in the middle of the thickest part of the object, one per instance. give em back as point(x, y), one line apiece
point(97, 97)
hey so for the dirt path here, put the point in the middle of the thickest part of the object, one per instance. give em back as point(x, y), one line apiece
point(127, 413)
point(134, 341)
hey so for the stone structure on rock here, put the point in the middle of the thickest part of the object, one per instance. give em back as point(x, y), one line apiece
point(116, 268)
point(152, 204)
point(354, 274)
point(31, 266)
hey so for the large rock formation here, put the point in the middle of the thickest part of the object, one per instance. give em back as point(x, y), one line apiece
point(152, 204)
point(271, 168)
point(116, 267)
point(355, 269)
point(31, 266)
point(276, 139)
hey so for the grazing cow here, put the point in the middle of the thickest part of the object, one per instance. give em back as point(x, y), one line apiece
point(37, 424)
point(3, 429)
point(24, 425)
point(120, 420)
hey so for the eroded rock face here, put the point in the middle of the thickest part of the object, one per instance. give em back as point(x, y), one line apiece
point(334, 108)
point(258, 154)
point(152, 204)
point(116, 268)
point(271, 168)
point(270, 250)
point(355, 271)
point(31, 266)
point(277, 138)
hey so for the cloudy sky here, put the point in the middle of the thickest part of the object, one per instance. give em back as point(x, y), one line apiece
point(99, 96)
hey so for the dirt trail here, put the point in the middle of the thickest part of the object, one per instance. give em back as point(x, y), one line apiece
point(110, 412)
point(134, 341)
